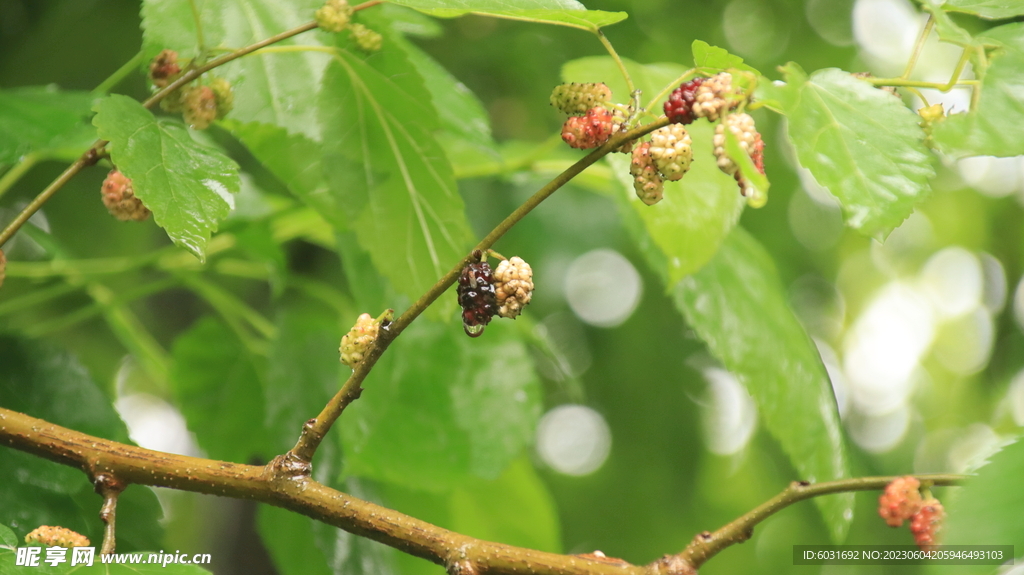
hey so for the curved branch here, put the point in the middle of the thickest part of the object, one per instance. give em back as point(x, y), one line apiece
point(706, 545)
point(314, 431)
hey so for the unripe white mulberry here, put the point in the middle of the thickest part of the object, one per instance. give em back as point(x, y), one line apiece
point(356, 344)
point(366, 40)
point(513, 286)
point(334, 15)
point(647, 180)
point(576, 99)
point(742, 126)
point(713, 97)
point(223, 95)
point(671, 150)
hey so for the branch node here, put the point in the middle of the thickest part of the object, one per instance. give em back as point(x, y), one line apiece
point(289, 465)
point(672, 565)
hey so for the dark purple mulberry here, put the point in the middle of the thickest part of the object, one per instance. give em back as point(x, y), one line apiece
point(477, 297)
point(679, 106)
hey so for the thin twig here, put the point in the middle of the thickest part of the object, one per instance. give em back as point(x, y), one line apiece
point(314, 431)
point(706, 545)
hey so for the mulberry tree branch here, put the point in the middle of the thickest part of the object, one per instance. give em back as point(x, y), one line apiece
point(278, 484)
point(314, 431)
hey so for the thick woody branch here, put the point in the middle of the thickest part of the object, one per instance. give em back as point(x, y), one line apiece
point(316, 429)
point(278, 484)
point(284, 485)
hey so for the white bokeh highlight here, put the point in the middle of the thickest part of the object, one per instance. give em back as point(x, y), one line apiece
point(573, 439)
point(729, 413)
point(883, 348)
point(155, 424)
point(953, 279)
point(603, 288)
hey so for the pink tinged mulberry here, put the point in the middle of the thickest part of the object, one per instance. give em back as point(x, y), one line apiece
point(671, 150)
point(647, 180)
point(927, 523)
point(576, 99)
point(513, 285)
point(900, 501)
point(591, 130)
point(357, 343)
point(477, 297)
point(120, 200)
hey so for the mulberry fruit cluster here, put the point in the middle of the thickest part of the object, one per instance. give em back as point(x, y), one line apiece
point(590, 130)
point(356, 344)
point(48, 536)
point(484, 293)
point(333, 16)
point(901, 501)
point(576, 99)
point(647, 180)
point(513, 286)
point(199, 105)
point(742, 126)
point(120, 200)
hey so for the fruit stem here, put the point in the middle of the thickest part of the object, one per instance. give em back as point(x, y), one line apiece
point(615, 56)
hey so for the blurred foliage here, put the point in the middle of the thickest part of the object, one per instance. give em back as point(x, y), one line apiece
point(361, 181)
